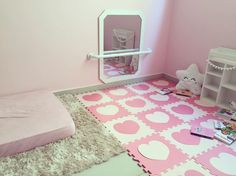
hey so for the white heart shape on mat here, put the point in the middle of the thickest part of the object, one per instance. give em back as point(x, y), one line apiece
point(118, 92)
point(161, 83)
point(208, 124)
point(203, 103)
point(159, 97)
point(108, 110)
point(154, 150)
point(158, 117)
point(222, 163)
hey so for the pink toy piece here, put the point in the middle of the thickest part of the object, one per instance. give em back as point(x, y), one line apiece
point(108, 115)
point(92, 97)
point(141, 87)
point(136, 103)
point(185, 137)
point(127, 127)
point(183, 109)
point(150, 165)
point(193, 173)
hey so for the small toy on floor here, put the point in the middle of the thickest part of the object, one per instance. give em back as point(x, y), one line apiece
point(203, 132)
point(190, 79)
point(185, 93)
point(227, 113)
point(165, 91)
point(226, 131)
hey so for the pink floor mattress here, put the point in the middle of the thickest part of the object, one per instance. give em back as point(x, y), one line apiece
point(32, 119)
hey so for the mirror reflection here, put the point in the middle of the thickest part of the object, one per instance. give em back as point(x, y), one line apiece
point(121, 34)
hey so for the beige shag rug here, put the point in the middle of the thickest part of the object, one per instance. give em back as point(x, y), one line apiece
point(91, 144)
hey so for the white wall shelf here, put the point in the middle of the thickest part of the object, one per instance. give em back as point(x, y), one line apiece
point(214, 73)
point(219, 86)
point(212, 87)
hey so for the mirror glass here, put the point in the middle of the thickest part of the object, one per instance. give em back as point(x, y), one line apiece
point(120, 33)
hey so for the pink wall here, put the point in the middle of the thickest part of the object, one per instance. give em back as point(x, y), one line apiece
point(44, 43)
point(197, 26)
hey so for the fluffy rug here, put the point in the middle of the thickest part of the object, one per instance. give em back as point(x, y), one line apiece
point(91, 144)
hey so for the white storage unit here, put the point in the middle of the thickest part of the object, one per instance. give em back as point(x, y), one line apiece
point(219, 86)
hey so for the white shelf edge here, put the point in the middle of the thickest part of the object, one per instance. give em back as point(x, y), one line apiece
point(229, 86)
point(217, 74)
point(211, 87)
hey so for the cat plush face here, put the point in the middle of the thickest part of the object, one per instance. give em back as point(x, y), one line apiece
point(190, 79)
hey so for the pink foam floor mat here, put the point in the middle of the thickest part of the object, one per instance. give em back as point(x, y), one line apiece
point(155, 129)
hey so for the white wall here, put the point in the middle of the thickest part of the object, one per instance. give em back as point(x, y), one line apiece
point(44, 43)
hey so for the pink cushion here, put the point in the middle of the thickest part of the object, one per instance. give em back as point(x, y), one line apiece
point(32, 119)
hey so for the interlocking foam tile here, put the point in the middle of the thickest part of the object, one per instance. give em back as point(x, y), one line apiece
point(108, 111)
point(155, 154)
point(142, 88)
point(220, 161)
point(156, 129)
point(128, 129)
point(136, 104)
point(190, 144)
point(188, 168)
point(158, 119)
point(161, 83)
point(202, 105)
point(118, 93)
point(206, 121)
point(184, 111)
point(93, 98)
point(159, 99)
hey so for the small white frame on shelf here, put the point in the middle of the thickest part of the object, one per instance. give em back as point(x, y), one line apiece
point(219, 86)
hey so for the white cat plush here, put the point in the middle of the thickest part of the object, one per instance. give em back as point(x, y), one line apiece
point(190, 79)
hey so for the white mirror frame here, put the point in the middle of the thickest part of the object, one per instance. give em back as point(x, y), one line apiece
point(101, 43)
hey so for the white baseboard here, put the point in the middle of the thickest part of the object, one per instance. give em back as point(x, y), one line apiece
point(116, 84)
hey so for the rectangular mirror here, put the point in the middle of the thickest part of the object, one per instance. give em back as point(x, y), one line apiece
point(120, 32)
